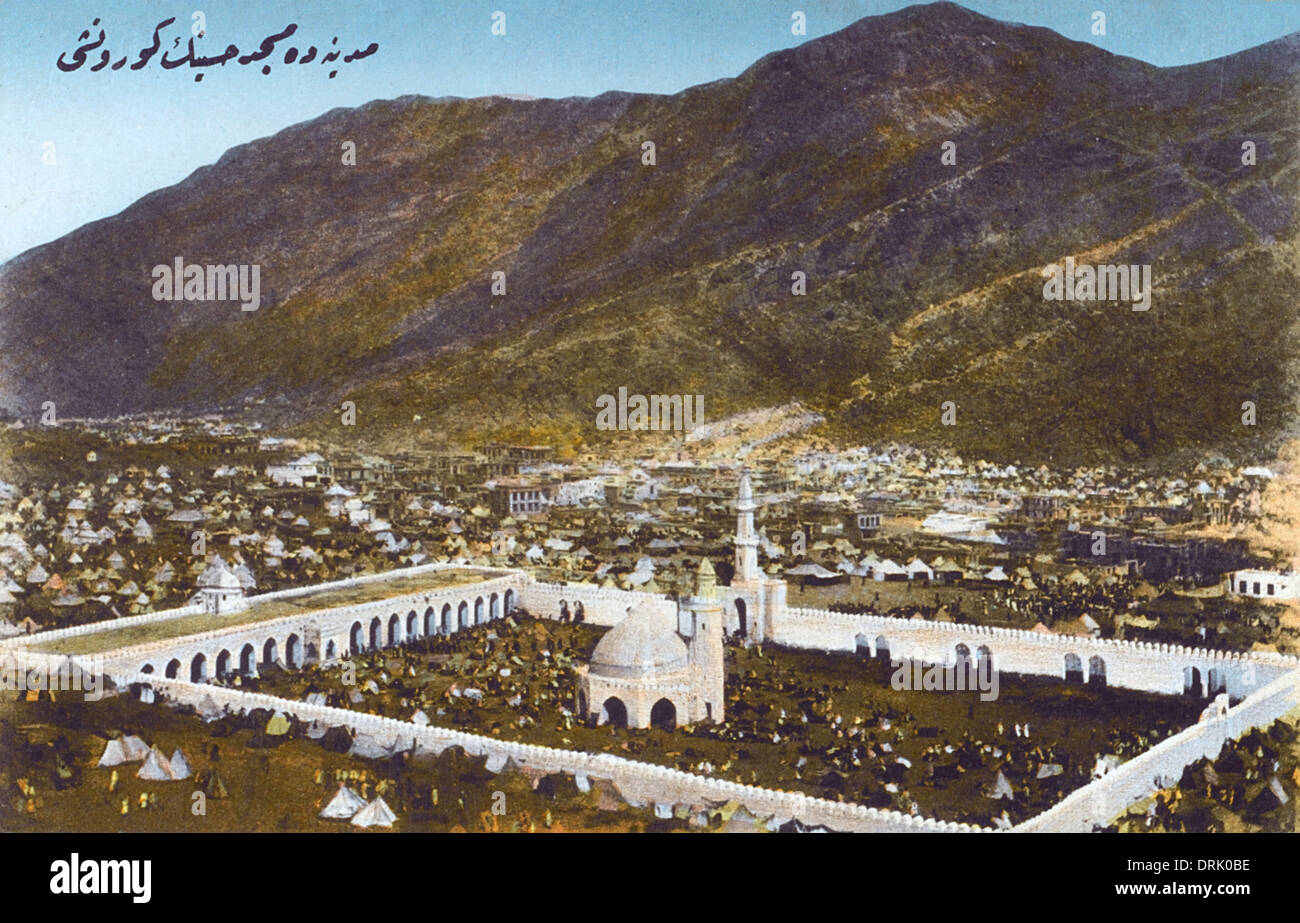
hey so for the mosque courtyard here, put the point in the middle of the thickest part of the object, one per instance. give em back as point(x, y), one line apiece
point(828, 724)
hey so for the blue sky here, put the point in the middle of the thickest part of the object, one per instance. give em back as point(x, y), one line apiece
point(119, 134)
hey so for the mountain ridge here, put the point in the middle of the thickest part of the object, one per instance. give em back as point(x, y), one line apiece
point(822, 158)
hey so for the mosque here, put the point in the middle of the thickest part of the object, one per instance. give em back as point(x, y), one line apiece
point(653, 670)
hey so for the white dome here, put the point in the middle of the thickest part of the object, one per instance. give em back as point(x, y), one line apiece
point(644, 643)
point(222, 580)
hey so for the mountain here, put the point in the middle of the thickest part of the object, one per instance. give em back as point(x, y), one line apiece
point(924, 280)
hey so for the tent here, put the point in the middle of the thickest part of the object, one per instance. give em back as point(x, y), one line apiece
point(316, 730)
point(208, 709)
point(156, 768)
point(344, 805)
point(916, 568)
point(811, 570)
point(214, 786)
point(887, 568)
point(134, 748)
point(375, 814)
point(1001, 788)
point(113, 755)
point(370, 747)
point(180, 767)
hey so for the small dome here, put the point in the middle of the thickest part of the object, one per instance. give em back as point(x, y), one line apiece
point(222, 579)
point(644, 643)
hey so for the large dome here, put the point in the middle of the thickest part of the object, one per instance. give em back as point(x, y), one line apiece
point(644, 643)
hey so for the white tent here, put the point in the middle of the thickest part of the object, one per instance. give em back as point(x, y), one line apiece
point(113, 755)
point(208, 709)
point(180, 767)
point(156, 768)
point(375, 814)
point(888, 568)
point(811, 570)
point(344, 805)
point(1001, 788)
point(134, 748)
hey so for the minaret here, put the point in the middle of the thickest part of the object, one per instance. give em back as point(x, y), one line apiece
point(746, 538)
point(708, 667)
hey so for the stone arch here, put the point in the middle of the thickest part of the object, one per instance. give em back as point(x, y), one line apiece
point(270, 652)
point(199, 669)
point(494, 607)
point(882, 648)
point(293, 652)
point(223, 663)
point(313, 654)
point(1192, 682)
point(1096, 671)
point(394, 630)
point(613, 712)
point(430, 622)
point(331, 650)
point(356, 638)
point(412, 625)
point(663, 715)
point(480, 614)
point(1215, 682)
point(862, 646)
point(462, 615)
point(742, 618)
point(963, 656)
point(984, 660)
point(147, 668)
point(173, 668)
point(1073, 668)
point(509, 601)
point(376, 634)
point(446, 619)
point(247, 660)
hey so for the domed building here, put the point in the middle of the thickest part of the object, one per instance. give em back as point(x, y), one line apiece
point(656, 669)
point(220, 588)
